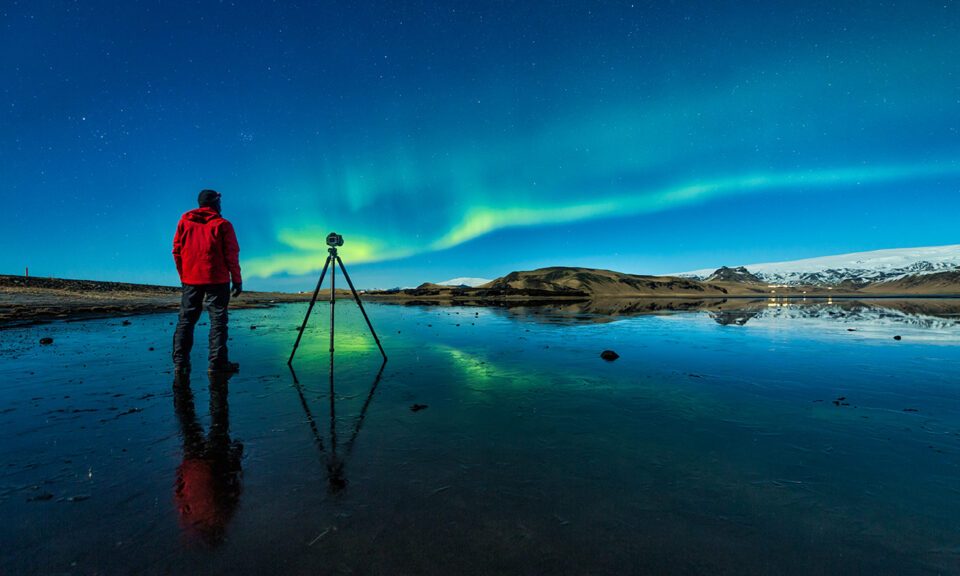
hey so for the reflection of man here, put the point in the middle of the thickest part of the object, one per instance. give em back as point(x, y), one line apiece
point(207, 255)
point(208, 485)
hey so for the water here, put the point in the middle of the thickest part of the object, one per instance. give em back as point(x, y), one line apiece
point(729, 438)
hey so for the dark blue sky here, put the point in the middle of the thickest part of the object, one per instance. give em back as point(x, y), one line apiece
point(475, 138)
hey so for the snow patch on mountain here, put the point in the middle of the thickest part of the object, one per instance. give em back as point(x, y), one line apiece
point(857, 268)
point(471, 282)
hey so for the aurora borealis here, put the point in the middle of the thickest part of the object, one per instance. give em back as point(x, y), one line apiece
point(475, 138)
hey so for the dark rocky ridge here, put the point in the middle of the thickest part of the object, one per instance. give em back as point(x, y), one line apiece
point(30, 300)
point(81, 285)
point(739, 274)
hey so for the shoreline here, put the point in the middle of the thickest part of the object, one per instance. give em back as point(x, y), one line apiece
point(28, 301)
point(844, 296)
point(15, 315)
point(22, 315)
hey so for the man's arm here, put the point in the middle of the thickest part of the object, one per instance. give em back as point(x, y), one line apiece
point(177, 245)
point(231, 252)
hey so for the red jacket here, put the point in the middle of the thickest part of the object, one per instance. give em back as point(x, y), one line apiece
point(205, 248)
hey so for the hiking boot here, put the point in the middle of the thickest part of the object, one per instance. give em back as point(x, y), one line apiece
point(224, 368)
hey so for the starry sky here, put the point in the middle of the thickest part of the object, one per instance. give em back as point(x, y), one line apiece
point(473, 138)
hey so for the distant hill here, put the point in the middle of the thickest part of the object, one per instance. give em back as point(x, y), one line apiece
point(594, 282)
point(574, 283)
point(939, 283)
point(431, 286)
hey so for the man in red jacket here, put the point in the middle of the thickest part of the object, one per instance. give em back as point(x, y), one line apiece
point(207, 254)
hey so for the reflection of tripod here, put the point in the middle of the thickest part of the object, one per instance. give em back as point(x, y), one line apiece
point(335, 464)
point(333, 259)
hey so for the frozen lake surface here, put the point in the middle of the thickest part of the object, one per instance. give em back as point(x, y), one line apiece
point(730, 438)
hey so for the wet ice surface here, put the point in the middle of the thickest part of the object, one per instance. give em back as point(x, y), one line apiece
point(757, 440)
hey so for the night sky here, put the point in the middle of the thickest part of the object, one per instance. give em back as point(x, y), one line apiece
point(447, 139)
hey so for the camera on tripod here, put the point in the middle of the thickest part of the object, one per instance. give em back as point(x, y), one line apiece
point(334, 240)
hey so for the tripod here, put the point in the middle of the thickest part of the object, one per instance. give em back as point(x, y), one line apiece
point(332, 260)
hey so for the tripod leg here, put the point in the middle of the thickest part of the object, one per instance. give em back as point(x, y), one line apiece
point(360, 304)
point(335, 475)
point(333, 298)
point(306, 409)
point(363, 411)
point(333, 412)
point(309, 309)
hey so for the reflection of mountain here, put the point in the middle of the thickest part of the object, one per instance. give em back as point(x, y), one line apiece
point(919, 314)
point(610, 309)
point(737, 317)
point(875, 315)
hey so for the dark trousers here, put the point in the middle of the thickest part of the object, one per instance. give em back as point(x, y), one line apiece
point(217, 298)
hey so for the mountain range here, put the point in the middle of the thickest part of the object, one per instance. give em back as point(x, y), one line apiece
point(930, 271)
point(854, 270)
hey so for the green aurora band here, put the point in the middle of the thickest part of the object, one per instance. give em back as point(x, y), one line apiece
point(307, 248)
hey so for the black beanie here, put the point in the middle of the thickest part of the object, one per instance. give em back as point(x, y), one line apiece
point(208, 197)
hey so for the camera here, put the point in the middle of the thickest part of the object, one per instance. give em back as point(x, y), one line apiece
point(334, 240)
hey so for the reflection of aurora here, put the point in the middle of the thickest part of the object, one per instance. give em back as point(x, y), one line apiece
point(480, 373)
point(348, 341)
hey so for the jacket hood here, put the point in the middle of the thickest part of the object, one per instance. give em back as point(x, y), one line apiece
point(202, 215)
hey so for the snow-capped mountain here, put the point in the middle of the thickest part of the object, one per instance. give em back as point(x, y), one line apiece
point(471, 282)
point(858, 268)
